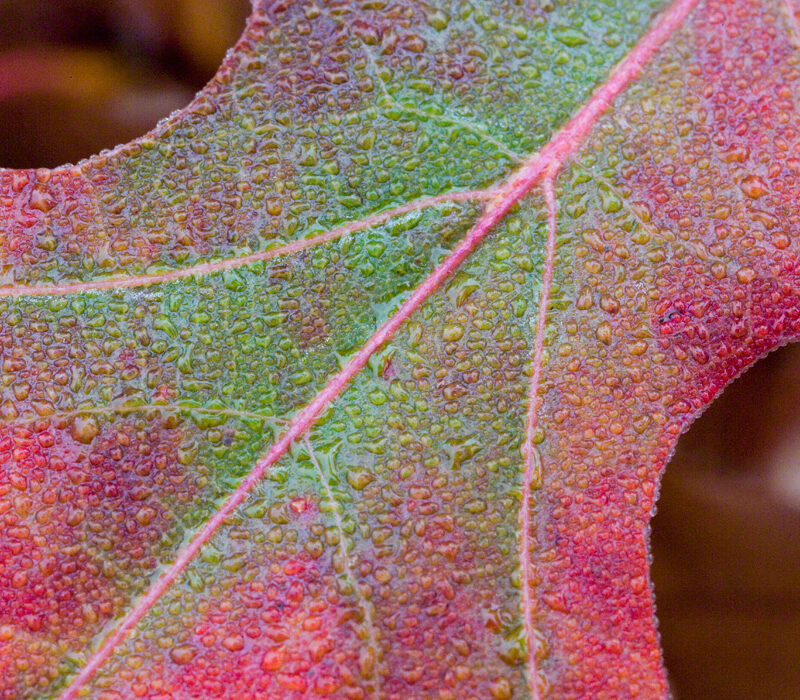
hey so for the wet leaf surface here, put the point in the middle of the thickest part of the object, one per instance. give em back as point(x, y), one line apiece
point(357, 376)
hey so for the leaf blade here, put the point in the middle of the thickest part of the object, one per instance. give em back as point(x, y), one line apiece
point(560, 149)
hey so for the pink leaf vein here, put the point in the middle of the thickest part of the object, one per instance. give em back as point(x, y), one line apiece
point(545, 164)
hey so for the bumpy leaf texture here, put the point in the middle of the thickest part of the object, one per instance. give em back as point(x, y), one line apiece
point(356, 377)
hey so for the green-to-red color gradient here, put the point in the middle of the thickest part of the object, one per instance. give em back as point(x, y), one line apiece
point(356, 377)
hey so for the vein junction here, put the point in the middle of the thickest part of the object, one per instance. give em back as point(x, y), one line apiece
point(543, 166)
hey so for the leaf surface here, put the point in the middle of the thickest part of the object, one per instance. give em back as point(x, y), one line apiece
point(356, 377)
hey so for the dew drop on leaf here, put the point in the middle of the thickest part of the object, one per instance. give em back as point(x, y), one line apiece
point(753, 186)
point(85, 429)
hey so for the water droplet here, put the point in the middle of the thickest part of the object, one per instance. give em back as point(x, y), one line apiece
point(438, 19)
point(584, 299)
point(501, 689)
point(610, 200)
point(452, 331)
point(753, 186)
point(234, 642)
point(359, 478)
point(85, 429)
point(183, 654)
point(569, 36)
point(746, 275)
point(604, 333)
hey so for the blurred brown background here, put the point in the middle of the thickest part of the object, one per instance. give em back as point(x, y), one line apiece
point(77, 76)
point(726, 542)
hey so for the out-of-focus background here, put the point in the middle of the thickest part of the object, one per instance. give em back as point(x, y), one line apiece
point(77, 76)
point(726, 542)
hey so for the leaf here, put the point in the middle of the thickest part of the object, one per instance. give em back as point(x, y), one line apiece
point(357, 376)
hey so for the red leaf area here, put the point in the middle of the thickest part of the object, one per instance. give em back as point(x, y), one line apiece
point(297, 629)
point(82, 528)
point(282, 636)
point(30, 218)
point(714, 183)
